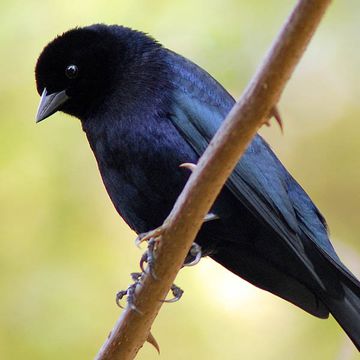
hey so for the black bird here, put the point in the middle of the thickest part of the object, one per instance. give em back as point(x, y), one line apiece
point(146, 110)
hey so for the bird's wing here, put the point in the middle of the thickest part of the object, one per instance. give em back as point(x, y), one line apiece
point(259, 180)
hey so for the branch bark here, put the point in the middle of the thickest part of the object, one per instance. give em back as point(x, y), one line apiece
point(214, 167)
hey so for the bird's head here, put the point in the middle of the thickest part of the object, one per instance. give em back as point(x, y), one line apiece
point(79, 69)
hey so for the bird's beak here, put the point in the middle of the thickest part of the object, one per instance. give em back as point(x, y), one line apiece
point(50, 103)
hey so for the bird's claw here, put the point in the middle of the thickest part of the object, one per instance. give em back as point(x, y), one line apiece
point(119, 297)
point(143, 260)
point(149, 258)
point(210, 217)
point(189, 166)
point(177, 293)
point(195, 253)
point(153, 234)
point(152, 237)
point(130, 292)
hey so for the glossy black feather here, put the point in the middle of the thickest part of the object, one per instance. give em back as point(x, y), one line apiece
point(146, 110)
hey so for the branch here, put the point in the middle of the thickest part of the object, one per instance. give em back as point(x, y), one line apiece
point(214, 167)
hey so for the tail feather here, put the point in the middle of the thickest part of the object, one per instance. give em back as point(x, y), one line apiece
point(346, 311)
point(345, 305)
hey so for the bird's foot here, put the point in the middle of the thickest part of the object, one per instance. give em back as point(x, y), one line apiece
point(152, 234)
point(177, 293)
point(149, 258)
point(194, 255)
point(130, 292)
point(153, 237)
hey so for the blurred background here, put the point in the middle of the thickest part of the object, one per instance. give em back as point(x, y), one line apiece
point(64, 250)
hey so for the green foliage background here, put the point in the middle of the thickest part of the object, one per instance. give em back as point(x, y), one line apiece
point(64, 250)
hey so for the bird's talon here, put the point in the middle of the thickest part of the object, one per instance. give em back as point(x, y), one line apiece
point(136, 276)
point(119, 297)
point(177, 293)
point(195, 251)
point(130, 292)
point(210, 217)
point(143, 260)
point(149, 258)
point(153, 234)
point(189, 166)
point(139, 239)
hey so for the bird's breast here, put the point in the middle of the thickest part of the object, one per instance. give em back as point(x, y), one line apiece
point(140, 169)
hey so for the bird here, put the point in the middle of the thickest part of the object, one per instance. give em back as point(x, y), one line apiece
point(146, 110)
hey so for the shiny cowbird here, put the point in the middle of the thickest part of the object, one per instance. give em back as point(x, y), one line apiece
point(146, 110)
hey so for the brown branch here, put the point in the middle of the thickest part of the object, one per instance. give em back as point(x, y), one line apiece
point(216, 164)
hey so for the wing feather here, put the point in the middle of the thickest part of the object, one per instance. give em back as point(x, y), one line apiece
point(259, 180)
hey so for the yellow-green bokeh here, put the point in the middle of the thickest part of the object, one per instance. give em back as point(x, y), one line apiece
point(64, 250)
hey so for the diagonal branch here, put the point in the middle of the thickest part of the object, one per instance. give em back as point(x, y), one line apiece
point(214, 167)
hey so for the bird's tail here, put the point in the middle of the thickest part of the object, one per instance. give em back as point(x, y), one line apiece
point(341, 295)
point(346, 311)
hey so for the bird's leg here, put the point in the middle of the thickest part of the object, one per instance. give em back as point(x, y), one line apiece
point(193, 257)
point(152, 237)
point(130, 292)
point(149, 258)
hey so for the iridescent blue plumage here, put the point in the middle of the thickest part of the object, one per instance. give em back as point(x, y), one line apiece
point(154, 110)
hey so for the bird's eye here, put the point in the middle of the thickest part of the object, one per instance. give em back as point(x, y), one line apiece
point(71, 71)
